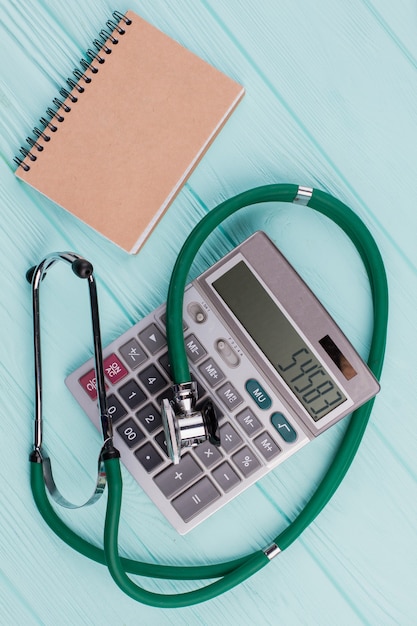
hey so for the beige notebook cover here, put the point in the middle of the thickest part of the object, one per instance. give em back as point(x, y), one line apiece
point(121, 153)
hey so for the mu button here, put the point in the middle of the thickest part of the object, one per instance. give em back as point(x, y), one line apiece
point(258, 393)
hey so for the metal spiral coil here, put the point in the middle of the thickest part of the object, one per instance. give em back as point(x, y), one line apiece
point(107, 37)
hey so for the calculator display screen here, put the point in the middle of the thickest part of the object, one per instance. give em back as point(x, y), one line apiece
point(280, 342)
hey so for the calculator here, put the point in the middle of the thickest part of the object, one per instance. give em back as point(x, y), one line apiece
point(277, 368)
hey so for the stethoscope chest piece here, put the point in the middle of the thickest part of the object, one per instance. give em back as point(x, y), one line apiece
point(185, 426)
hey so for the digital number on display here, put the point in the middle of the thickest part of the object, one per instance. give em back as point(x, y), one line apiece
point(279, 341)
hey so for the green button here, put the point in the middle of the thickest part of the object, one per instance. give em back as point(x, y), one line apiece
point(258, 393)
point(283, 427)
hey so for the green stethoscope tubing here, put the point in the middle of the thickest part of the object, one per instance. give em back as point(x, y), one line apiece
point(236, 571)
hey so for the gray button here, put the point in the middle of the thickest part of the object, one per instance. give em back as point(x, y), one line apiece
point(230, 397)
point(152, 338)
point(149, 417)
point(211, 372)
point(246, 461)
point(132, 354)
point(194, 349)
point(148, 457)
point(115, 408)
point(229, 438)
point(267, 446)
point(130, 433)
point(164, 363)
point(249, 422)
point(152, 379)
point(176, 477)
point(164, 322)
point(226, 477)
point(207, 453)
point(132, 394)
point(162, 443)
point(195, 499)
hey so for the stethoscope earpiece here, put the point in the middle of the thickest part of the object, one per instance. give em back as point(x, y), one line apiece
point(30, 273)
point(82, 268)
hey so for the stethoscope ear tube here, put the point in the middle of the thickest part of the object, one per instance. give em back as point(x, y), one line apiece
point(35, 275)
point(77, 543)
point(231, 573)
point(242, 571)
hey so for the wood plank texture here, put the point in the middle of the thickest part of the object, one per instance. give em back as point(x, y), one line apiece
point(330, 103)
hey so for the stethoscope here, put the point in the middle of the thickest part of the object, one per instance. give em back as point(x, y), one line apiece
point(231, 573)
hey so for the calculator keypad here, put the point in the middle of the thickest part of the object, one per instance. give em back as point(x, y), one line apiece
point(138, 378)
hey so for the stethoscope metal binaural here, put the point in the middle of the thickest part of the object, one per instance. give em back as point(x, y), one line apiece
point(82, 269)
point(231, 573)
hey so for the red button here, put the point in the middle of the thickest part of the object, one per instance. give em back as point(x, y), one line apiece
point(114, 369)
point(89, 383)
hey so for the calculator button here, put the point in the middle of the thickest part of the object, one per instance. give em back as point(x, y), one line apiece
point(229, 438)
point(195, 499)
point(149, 417)
point(283, 427)
point(114, 369)
point(152, 338)
point(164, 363)
point(167, 394)
point(148, 457)
point(176, 477)
point(219, 413)
point(246, 461)
point(115, 408)
point(89, 383)
point(207, 453)
point(226, 477)
point(132, 354)
point(258, 394)
point(162, 442)
point(211, 373)
point(228, 394)
point(164, 322)
point(249, 422)
point(267, 446)
point(130, 433)
point(132, 394)
point(152, 379)
point(194, 349)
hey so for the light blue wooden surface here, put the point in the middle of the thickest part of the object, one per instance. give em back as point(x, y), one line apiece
point(331, 100)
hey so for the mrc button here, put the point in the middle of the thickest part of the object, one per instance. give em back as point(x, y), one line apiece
point(228, 394)
point(258, 393)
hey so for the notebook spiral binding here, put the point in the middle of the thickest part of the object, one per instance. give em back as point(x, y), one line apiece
point(54, 114)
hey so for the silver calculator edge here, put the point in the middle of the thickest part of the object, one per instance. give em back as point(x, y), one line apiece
point(275, 273)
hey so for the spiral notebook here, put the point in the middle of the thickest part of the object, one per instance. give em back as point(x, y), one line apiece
point(118, 144)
